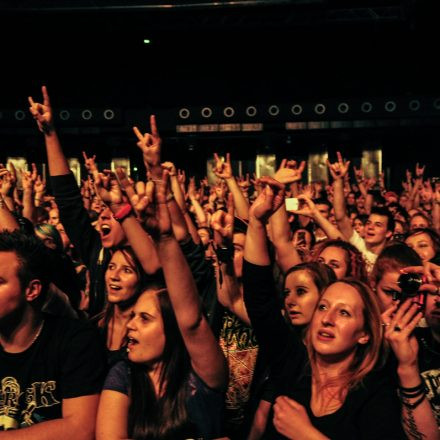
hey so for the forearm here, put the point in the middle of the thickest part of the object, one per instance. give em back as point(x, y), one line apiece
point(419, 422)
point(436, 216)
point(340, 210)
point(179, 225)
point(240, 202)
point(229, 292)
point(287, 255)
point(177, 192)
point(66, 429)
point(57, 161)
point(255, 250)
point(180, 283)
point(28, 205)
point(329, 228)
point(200, 214)
point(142, 244)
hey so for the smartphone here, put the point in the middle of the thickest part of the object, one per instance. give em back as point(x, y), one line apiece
point(292, 204)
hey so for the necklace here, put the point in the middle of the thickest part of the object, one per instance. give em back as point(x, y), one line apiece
point(40, 328)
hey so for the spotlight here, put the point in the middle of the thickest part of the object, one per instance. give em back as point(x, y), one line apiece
point(109, 114)
point(319, 109)
point(228, 112)
point(64, 115)
point(436, 104)
point(366, 107)
point(296, 109)
point(390, 106)
point(343, 108)
point(274, 110)
point(20, 115)
point(184, 113)
point(251, 111)
point(414, 105)
point(206, 112)
point(87, 114)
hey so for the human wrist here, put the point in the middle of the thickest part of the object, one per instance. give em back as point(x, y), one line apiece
point(123, 212)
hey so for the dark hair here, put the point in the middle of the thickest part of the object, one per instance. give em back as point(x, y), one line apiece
point(421, 214)
point(394, 257)
point(428, 231)
point(353, 258)
point(52, 232)
point(32, 256)
point(363, 218)
point(164, 418)
point(384, 212)
point(322, 275)
point(323, 201)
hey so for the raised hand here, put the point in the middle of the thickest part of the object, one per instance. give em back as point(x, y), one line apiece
point(150, 144)
point(108, 188)
point(222, 169)
point(419, 171)
point(289, 171)
point(89, 163)
point(269, 200)
point(223, 223)
point(160, 198)
point(339, 169)
point(308, 210)
point(170, 167)
point(42, 113)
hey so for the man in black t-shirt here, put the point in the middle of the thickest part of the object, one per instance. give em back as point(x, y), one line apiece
point(51, 368)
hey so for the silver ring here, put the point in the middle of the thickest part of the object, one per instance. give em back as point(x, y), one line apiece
point(397, 328)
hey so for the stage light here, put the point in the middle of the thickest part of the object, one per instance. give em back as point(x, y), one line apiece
point(296, 109)
point(87, 114)
point(319, 109)
point(414, 105)
point(109, 114)
point(64, 115)
point(147, 41)
point(184, 113)
point(436, 104)
point(206, 112)
point(390, 106)
point(274, 110)
point(343, 108)
point(228, 112)
point(251, 111)
point(366, 107)
point(20, 115)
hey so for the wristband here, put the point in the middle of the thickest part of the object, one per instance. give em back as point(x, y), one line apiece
point(123, 212)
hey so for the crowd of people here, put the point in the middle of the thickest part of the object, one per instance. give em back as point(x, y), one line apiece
point(168, 309)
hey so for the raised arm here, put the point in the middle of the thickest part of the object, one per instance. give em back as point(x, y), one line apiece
point(206, 356)
point(287, 255)
point(42, 113)
point(338, 170)
point(223, 170)
point(417, 415)
point(143, 246)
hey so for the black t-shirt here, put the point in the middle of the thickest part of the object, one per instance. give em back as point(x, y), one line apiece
point(67, 360)
point(429, 364)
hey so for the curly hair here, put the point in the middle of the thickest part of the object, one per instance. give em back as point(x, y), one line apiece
point(353, 258)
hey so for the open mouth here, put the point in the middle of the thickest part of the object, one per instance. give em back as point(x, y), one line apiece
point(131, 342)
point(322, 334)
point(115, 287)
point(105, 230)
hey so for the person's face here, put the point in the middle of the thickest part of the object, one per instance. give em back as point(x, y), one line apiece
point(360, 202)
point(323, 209)
point(301, 296)
point(390, 198)
point(121, 279)
point(96, 205)
point(146, 333)
point(418, 222)
point(358, 226)
point(110, 230)
point(423, 245)
point(338, 323)
point(432, 312)
point(335, 258)
point(351, 199)
point(403, 200)
point(238, 242)
point(376, 231)
point(54, 217)
point(386, 288)
point(398, 228)
point(12, 297)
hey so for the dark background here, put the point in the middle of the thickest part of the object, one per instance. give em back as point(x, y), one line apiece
point(91, 55)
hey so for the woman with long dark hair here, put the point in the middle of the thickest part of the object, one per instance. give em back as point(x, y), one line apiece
point(172, 385)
